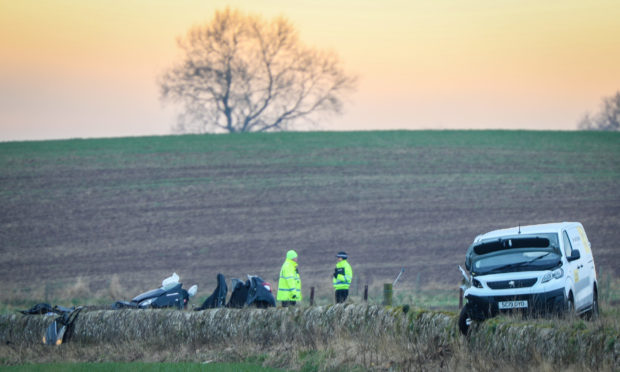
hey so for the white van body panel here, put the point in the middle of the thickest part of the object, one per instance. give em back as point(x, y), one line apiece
point(583, 271)
point(538, 287)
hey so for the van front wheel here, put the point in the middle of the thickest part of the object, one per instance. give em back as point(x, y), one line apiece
point(465, 320)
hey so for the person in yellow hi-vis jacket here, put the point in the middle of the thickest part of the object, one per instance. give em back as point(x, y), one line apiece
point(289, 285)
point(343, 275)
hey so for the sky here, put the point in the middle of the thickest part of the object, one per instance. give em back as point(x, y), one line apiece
point(83, 69)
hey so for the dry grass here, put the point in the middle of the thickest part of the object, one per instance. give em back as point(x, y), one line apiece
point(79, 289)
point(115, 290)
point(322, 338)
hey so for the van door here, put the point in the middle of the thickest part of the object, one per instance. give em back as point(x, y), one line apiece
point(577, 271)
point(578, 239)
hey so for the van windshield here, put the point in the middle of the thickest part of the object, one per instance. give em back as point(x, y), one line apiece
point(515, 253)
point(516, 260)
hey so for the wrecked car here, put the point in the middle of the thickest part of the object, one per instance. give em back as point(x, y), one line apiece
point(170, 294)
point(254, 292)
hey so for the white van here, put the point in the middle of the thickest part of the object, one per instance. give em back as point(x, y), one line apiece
point(538, 269)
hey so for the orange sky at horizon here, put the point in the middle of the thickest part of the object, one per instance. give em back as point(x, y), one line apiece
point(72, 68)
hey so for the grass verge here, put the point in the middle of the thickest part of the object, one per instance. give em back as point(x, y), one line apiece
point(138, 367)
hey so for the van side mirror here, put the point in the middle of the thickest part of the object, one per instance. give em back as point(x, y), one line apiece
point(574, 255)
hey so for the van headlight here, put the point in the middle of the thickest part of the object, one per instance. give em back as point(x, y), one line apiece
point(555, 274)
point(476, 283)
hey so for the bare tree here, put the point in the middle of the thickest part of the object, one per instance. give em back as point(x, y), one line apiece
point(607, 119)
point(240, 73)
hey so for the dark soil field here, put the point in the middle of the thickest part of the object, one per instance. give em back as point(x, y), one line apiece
point(138, 209)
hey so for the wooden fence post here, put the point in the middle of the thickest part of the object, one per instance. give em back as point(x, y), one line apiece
point(311, 296)
point(387, 294)
point(366, 293)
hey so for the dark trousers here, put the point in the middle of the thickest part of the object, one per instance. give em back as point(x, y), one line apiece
point(341, 295)
point(288, 303)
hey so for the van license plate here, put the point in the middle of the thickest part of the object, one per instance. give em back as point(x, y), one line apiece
point(512, 304)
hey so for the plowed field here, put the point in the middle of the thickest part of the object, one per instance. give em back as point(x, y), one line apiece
point(141, 208)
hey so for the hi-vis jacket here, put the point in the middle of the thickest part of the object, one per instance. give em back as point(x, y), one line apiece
point(289, 286)
point(343, 275)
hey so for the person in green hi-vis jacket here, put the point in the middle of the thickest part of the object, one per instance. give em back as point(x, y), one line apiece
point(289, 285)
point(343, 275)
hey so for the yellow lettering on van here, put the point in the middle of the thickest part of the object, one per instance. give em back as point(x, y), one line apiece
point(584, 240)
point(576, 275)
